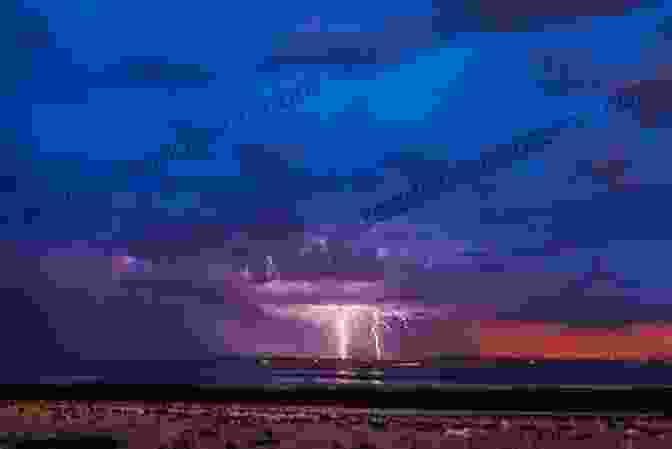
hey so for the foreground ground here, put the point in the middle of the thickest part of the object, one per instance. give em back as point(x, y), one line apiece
point(180, 425)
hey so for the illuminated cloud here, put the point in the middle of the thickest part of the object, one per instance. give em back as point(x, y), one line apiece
point(324, 288)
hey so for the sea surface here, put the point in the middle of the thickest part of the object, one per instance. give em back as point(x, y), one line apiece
point(248, 372)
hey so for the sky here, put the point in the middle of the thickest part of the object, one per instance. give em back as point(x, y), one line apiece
point(154, 153)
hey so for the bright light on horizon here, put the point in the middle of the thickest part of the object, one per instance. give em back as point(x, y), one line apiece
point(343, 318)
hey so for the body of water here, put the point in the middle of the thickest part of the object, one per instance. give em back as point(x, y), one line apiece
point(249, 372)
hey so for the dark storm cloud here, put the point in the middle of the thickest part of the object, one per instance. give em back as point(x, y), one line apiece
point(665, 28)
point(563, 72)
point(432, 177)
point(152, 72)
point(194, 305)
point(520, 15)
point(486, 283)
point(567, 281)
point(633, 214)
point(27, 322)
point(353, 47)
point(610, 308)
point(70, 304)
point(597, 299)
point(508, 290)
point(649, 100)
point(191, 143)
point(264, 197)
point(265, 211)
point(200, 305)
point(285, 171)
point(30, 31)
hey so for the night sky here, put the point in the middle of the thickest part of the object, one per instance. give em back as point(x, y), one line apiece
point(503, 174)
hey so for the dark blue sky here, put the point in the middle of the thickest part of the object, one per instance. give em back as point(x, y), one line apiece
point(285, 121)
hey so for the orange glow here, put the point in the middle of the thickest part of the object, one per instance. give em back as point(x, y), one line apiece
point(531, 340)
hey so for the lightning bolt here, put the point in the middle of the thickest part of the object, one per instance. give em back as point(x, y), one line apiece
point(374, 330)
point(403, 319)
point(342, 318)
point(344, 336)
point(345, 316)
point(271, 269)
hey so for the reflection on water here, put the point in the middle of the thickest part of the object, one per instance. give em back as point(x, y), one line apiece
point(351, 381)
point(329, 377)
point(289, 380)
point(364, 376)
point(360, 373)
point(68, 379)
point(324, 380)
point(336, 380)
point(248, 372)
